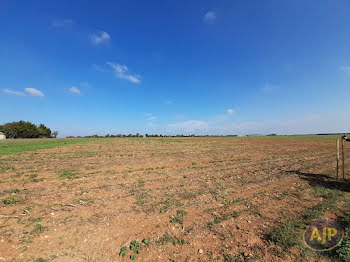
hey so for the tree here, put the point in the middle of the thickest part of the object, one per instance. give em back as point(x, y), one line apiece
point(44, 131)
point(55, 134)
point(25, 129)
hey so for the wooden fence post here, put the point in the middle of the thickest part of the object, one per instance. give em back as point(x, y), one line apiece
point(337, 159)
point(342, 153)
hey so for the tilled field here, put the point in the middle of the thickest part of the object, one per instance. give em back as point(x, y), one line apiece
point(181, 199)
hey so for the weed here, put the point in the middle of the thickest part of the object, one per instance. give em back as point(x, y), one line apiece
point(314, 212)
point(179, 217)
point(167, 239)
point(230, 258)
point(136, 247)
point(110, 172)
point(12, 200)
point(344, 250)
point(93, 173)
point(141, 202)
point(123, 251)
point(181, 212)
point(41, 260)
point(176, 220)
point(190, 229)
point(286, 235)
point(35, 220)
point(208, 209)
point(346, 219)
point(146, 241)
point(36, 179)
point(257, 213)
point(67, 174)
point(163, 240)
point(188, 195)
point(326, 193)
point(167, 204)
point(233, 202)
point(28, 240)
point(38, 228)
point(219, 219)
point(179, 242)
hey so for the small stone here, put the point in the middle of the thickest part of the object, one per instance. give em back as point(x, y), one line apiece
point(200, 251)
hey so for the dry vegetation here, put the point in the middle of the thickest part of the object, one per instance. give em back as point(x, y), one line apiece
point(169, 199)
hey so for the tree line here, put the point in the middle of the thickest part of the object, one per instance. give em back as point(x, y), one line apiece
point(148, 135)
point(24, 129)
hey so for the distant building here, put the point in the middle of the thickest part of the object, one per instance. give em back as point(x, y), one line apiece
point(2, 136)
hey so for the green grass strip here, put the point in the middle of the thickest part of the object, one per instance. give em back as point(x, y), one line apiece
point(16, 146)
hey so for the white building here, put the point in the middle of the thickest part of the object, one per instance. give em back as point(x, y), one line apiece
point(2, 136)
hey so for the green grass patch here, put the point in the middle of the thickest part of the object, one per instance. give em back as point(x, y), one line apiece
point(16, 146)
point(330, 199)
point(287, 234)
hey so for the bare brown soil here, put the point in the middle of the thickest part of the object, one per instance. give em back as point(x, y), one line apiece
point(194, 198)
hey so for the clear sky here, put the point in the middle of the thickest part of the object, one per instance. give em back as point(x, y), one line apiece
point(176, 67)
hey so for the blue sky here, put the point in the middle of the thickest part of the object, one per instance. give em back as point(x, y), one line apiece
point(176, 67)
